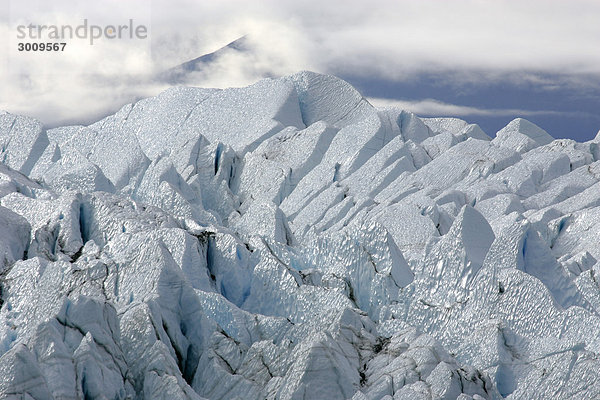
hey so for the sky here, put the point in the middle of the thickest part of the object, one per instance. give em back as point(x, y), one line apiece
point(480, 60)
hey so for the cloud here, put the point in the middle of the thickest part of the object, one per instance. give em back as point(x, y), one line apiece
point(83, 82)
point(465, 41)
point(471, 39)
point(432, 107)
point(267, 54)
point(87, 82)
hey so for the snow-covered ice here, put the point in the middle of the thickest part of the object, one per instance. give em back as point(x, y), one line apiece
point(288, 240)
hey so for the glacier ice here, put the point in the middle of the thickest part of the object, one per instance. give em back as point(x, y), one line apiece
point(287, 240)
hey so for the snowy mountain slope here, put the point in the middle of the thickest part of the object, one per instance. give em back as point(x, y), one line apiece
point(179, 74)
point(287, 240)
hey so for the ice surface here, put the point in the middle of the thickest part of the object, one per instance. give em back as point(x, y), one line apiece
point(14, 237)
point(288, 240)
point(522, 136)
point(329, 99)
point(23, 141)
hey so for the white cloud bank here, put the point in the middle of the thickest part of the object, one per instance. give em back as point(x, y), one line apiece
point(432, 107)
point(467, 40)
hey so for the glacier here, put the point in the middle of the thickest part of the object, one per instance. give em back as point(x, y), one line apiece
point(288, 240)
